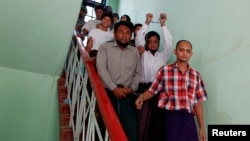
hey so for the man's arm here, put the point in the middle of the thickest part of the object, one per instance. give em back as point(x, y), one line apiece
point(102, 69)
point(140, 37)
point(89, 44)
point(199, 114)
point(85, 29)
point(167, 36)
point(85, 32)
point(137, 74)
point(145, 96)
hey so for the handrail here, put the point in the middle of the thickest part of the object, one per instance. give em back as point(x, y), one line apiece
point(111, 121)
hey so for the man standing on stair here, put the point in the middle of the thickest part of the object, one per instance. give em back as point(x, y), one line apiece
point(182, 92)
point(119, 67)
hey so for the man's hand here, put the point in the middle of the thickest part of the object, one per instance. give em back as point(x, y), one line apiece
point(90, 59)
point(119, 93)
point(139, 102)
point(128, 90)
point(149, 18)
point(81, 35)
point(163, 18)
point(141, 50)
point(202, 135)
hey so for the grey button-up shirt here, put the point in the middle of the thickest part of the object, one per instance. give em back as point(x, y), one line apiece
point(116, 66)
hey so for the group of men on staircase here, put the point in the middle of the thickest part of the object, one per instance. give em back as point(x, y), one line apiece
point(154, 100)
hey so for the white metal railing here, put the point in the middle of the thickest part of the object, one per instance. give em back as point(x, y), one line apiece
point(83, 104)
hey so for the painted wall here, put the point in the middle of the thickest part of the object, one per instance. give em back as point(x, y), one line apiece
point(218, 31)
point(34, 39)
point(114, 4)
point(28, 105)
point(35, 34)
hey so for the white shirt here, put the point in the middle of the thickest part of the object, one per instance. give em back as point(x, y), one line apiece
point(91, 24)
point(151, 63)
point(100, 37)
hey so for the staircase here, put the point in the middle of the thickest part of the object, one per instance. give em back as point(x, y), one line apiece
point(66, 133)
point(80, 106)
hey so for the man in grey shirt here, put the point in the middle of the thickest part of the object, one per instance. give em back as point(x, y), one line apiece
point(119, 67)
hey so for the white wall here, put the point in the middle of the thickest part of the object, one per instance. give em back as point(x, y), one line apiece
point(34, 40)
point(218, 31)
point(29, 106)
point(36, 34)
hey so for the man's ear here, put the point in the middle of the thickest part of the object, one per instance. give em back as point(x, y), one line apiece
point(175, 51)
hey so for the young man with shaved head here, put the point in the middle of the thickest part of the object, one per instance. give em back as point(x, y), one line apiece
point(182, 93)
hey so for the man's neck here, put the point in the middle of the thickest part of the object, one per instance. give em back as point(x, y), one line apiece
point(104, 28)
point(183, 66)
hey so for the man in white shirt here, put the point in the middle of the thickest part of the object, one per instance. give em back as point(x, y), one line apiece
point(149, 117)
point(99, 10)
point(98, 36)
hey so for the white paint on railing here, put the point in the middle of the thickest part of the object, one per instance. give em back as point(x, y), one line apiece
point(82, 104)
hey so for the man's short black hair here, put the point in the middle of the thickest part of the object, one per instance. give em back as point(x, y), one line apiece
point(136, 25)
point(125, 23)
point(108, 9)
point(152, 33)
point(116, 15)
point(127, 16)
point(149, 35)
point(99, 7)
point(84, 9)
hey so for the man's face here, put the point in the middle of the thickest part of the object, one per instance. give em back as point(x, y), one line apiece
point(124, 18)
point(106, 21)
point(153, 43)
point(82, 13)
point(183, 52)
point(115, 19)
point(98, 13)
point(123, 34)
point(136, 30)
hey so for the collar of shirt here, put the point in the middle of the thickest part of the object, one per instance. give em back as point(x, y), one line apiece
point(175, 65)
